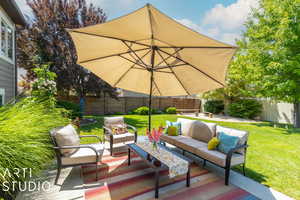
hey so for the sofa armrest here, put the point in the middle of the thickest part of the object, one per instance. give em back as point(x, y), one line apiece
point(230, 153)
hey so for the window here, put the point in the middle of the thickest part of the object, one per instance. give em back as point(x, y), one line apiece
point(6, 39)
point(2, 96)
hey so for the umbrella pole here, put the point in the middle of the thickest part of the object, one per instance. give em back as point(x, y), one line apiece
point(150, 101)
point(151, 84)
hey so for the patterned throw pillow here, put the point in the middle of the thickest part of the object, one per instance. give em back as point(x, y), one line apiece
point(175, 124)
point(118, 129)
point(227, 142)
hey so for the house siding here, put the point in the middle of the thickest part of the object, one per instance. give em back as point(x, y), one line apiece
point(7, 79)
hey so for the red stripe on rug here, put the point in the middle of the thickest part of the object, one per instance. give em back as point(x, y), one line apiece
point(124, 183)
point(107, 161)
point(189, 193)
point(117, 173)
point(233, 194)
point(163, 185)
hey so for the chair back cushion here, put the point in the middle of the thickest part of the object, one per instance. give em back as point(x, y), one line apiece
point(243, 135)
point(110, 121)
point(67, 136)
point(118, 129)
point(201, 131)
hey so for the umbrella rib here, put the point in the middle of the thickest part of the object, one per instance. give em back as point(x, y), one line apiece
point(187, 63)
point(174, 73)
point(154, 70)
point(110, 37)
point(198, 47)
point(134, 53)
point(117, 54)
point(121, 77)
point(132, 61)
point(169, 56)
point(157, 87)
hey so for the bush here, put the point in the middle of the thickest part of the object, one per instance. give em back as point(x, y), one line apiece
point(144, 110)
point(171, 110)
point(73, 108)
point(214, 106)
point(24, 139)
point(245, 108)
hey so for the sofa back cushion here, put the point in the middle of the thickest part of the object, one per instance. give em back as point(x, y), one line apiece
point(67, 136)
point(185, 125)
point(200, 131)
point(243, 135)
point(112, 121)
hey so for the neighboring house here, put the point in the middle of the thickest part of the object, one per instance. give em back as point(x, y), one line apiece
point(10, 16)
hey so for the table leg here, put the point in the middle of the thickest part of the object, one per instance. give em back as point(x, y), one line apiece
point(129, 156)
point(188, 177)
point(156, 184)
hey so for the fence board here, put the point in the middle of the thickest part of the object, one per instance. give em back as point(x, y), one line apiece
point(107, 105)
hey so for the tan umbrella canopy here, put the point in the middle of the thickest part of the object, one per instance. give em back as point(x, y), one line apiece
point(148, 52)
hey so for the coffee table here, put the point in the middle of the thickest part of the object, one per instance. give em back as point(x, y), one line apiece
point(156, 164)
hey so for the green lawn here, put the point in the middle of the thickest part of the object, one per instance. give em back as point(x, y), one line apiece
point(273, 157)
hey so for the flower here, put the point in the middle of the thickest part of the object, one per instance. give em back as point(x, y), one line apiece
point(155, 134)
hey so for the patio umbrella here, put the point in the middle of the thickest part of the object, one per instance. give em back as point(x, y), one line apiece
point(148, 52)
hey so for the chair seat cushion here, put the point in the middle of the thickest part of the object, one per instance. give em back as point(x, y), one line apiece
point(125, 137)
point(83, 155)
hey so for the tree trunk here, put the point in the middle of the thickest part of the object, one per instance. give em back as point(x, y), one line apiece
point(297, 115)
point(82, 105)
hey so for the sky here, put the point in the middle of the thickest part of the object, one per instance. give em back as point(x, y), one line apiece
point(220, 19)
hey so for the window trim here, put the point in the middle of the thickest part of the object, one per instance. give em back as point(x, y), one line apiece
point(2, 92)
point(10, 24)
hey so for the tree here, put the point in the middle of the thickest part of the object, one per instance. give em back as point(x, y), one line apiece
point(270, 51)
point(45, 40)
point(267, 63)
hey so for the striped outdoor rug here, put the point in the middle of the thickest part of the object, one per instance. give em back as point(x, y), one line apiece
point(117, 180)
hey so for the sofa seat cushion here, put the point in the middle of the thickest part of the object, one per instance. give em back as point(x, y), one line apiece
point(218, 157)
point(83, 155)
point(183, 142)
point(125, 137)
point(200, 149)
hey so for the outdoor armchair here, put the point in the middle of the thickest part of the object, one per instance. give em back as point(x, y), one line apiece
point(117, 138)
point(82, 154)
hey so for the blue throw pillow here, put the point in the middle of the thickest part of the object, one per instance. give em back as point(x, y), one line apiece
point(176, 124)
point(227, 142)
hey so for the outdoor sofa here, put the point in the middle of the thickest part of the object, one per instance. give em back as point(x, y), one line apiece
point(195, 136)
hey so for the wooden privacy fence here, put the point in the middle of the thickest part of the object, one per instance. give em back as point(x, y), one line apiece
point(107, 105)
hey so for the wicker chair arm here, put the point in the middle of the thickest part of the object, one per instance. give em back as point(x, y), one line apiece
point(131, 127)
